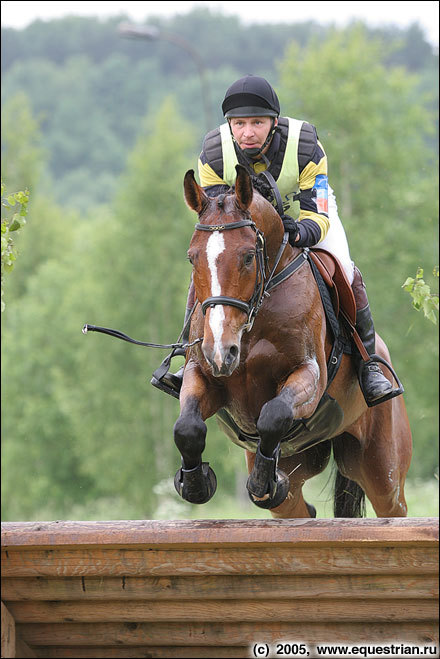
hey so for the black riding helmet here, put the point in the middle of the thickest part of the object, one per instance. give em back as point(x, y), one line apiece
point(252, 96)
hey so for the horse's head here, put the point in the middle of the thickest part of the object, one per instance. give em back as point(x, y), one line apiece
point(228, 254)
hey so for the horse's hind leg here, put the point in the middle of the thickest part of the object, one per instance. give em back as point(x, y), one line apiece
point(380, 463)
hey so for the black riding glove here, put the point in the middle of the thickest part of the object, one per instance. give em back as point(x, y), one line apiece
point(292, 228)
point(308, 230)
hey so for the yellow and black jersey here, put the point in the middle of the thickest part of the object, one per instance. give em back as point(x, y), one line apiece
point(297, 162)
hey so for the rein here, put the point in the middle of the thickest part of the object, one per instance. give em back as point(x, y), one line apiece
point(124, 337)
point(262, 286)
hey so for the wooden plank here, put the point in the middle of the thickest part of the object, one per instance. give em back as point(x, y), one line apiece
point(217, 635)
point(182, 652)
point(226, 611)
point(7, 633)
point(23, 650)
point(385, 531)
point(235, 586)
point(85, 561)
point(158, 587)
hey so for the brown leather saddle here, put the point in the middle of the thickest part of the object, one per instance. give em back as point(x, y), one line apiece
point(333, 274)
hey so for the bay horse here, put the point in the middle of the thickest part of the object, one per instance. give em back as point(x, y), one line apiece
point(265, 373)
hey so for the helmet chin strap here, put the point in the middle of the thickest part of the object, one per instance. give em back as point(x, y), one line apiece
point(251, 154)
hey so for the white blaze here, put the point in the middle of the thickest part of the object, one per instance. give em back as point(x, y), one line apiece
point(215, 246)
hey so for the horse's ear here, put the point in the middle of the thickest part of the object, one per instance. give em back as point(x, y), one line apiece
point(243, 187)
point(195, 196)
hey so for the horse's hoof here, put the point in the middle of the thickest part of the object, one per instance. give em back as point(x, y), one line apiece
point(280, 491)
point(196, 485)
point(267, 485)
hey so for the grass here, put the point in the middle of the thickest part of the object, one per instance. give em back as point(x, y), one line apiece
point(421, 496)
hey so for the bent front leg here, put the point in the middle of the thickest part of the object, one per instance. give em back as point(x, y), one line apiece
point(298, 399)
point(195, 481)
point(268, 486)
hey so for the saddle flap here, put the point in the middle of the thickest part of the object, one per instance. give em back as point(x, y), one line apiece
point(334, 276)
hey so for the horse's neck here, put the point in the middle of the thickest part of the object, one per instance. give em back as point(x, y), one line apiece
point(269, 222)
point(273, 245)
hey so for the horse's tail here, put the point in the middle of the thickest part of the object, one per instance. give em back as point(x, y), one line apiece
point(349, 499)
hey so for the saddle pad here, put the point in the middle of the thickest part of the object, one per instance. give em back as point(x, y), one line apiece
point(334, 276)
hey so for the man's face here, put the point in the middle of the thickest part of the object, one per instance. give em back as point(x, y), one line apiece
point(251, 132)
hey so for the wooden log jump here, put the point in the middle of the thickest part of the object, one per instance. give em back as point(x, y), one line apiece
point(215, 588)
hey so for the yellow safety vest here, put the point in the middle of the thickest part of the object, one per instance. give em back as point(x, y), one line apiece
point(288, 180)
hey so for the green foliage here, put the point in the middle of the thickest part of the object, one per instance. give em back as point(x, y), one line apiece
point(21, 136)
point(12, 221)
point(92, 399)
point(85, 436)
point(90, 88)
point(422, 298)
point(139, 278)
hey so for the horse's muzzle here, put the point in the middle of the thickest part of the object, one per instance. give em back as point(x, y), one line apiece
point(224, 360)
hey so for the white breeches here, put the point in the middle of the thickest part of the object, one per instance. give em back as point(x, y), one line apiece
point(335, 241)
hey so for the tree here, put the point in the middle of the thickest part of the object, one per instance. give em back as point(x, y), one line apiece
point(21, 136)
point(90, 88)
point(82, 409)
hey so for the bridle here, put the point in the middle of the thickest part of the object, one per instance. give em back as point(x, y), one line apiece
point(263, 284)
point(262, 280)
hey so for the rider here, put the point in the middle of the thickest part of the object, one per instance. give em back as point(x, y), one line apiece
point(256, 136)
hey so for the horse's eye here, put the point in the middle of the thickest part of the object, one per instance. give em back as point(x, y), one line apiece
point(248, 259)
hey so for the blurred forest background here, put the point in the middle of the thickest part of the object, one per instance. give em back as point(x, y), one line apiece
point(101, 130)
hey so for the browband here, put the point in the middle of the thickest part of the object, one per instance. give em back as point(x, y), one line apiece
point(225, 227)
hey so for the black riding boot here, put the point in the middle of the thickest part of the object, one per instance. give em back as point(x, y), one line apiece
point(171, 383)
point(373, 383)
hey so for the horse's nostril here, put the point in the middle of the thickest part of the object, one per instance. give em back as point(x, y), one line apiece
point(231, 355)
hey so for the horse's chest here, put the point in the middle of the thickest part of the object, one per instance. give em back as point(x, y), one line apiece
point(257, 381)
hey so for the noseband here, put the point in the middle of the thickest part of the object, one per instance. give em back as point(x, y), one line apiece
point(252, 307)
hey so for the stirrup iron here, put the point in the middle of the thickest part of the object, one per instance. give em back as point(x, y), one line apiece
point(385, 397)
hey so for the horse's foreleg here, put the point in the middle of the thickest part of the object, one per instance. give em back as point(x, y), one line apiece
point(297, 468)
point(267, 485)
point(297, 399)
point(195, 481)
